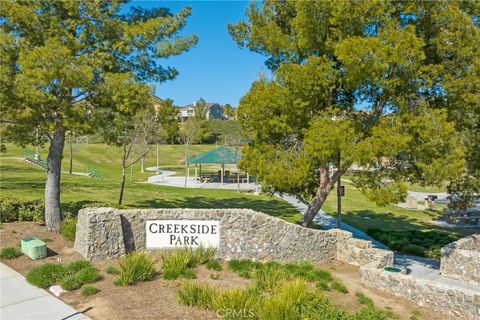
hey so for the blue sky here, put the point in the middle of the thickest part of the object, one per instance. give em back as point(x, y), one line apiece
point(216, 69)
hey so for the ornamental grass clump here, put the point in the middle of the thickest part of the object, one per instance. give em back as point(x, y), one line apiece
point(68, 229)
point(79, 272)
point(178, 262)
point(270, 276)
point(10, 253)
point(46, 275)
point(88, 290)
point(196, 295)
point(235, 304)
point(135, 267)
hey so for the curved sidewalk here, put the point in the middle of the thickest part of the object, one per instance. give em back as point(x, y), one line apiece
point(21, 300)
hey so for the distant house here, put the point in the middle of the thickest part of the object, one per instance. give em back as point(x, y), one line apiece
point(212, 111)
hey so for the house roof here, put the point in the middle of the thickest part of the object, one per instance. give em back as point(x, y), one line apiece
point(208, 105)
point(221, 155)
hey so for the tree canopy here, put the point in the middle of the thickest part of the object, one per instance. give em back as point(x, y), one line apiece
point(366, 83)
point(55, 53)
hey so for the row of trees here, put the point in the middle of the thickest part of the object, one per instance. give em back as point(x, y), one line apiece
point(363, 83)
point(55, 54)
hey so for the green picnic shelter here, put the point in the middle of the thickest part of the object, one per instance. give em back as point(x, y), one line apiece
point(221, 155)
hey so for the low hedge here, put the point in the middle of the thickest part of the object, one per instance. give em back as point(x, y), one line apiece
point(415, 242)
point(13, 209)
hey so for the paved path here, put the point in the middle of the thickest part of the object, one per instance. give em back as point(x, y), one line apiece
point(167, 178)
point(21, 300)
point(326, 221)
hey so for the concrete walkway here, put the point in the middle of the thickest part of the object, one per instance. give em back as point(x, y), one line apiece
point(326, 221)
point(21, 300)
point(167, 178)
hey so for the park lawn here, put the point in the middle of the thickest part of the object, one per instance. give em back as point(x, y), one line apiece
point(22, 180)
point(363, 214)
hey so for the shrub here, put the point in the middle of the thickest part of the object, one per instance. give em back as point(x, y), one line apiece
point(416, 242)
point(68, 229)
point(10, 253)
point(197, 295)
point(112, 270)
point(88, 290)
point(369, 313)
point(214, 265)
point(340, 287)
point(12, 209)
point(135, 267)
point(46, 275)
point(70, 283)
point(234, 304)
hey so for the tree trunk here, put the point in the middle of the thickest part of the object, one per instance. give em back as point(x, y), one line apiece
point(142, 167)
point(324, 188)
point(53, 210)
point(71, 153)
point(123, 185)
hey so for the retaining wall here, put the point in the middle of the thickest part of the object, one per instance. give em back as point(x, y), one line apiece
point(461, 260)
point(456, 301)
point(104, 233)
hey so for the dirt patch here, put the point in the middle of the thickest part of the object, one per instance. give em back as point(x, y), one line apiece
point(156, 299)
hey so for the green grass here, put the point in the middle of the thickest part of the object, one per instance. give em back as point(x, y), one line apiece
point(178, 262)
point(88, 290)
point(112, 270)
point(338, 286)
point(68, 229)
point(214, 265)
point(196, 295)
point(27, 182)
point(363, 299)
point(46, 275)
point(10, 253)
point(135, 267)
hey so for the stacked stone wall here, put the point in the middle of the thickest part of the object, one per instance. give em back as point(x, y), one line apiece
point(461, 260)
point(104, 233)
point(456, 301)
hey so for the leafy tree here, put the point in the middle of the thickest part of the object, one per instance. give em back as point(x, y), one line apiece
point(355, 83)
point(55, 53)
point(167, 116)
point(229, 112)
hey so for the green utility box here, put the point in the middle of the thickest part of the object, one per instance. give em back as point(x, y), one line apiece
point(34, 248)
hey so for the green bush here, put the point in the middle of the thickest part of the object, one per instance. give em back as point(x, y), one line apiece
point(201, 255)
point(197, 295)
point(307, 271)
point(136, 267)
point(46, 275)
point(415, 242)
point(79, 273)
point(112, 270)
point(340, 287)
point(214, 265)
point(88, 290)
point(10, 253)
point(68, 229)
point(238, 300)
point(12, 209)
